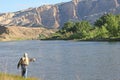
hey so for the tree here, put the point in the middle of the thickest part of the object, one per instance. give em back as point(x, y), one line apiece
point(82, 28)
point(68, 26)
point(111, 23)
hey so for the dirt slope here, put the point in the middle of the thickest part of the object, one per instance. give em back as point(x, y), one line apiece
point(21, 33)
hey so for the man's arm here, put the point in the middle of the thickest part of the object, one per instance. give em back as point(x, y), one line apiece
point(32, 59)
point(19, 63)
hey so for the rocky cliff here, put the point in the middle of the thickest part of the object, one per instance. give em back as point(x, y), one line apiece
point(54, 16)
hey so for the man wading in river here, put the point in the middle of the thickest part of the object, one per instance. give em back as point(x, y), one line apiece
point(24, 62)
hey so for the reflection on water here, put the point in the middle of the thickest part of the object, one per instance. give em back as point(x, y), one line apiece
point(64, 60)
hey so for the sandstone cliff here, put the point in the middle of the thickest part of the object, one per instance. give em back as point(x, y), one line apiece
point(54, 16)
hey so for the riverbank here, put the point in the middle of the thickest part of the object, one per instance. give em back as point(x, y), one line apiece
point(97, 40)
point(13, 77)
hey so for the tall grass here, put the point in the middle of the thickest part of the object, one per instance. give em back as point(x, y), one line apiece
point(13, 77)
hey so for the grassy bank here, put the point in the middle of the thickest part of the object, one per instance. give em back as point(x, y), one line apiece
point(13, 77)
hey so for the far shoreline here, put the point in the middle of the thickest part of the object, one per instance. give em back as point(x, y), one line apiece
point(87, 40)
point(79, 40)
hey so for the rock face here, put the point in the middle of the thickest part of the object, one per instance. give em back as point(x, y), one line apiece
point(54, 16)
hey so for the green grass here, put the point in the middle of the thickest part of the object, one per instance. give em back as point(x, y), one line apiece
point(14, 77)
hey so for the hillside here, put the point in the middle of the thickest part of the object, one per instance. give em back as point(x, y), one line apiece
point(22, 33)
point(54, 16)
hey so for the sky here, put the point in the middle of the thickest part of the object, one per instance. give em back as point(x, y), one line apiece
point(16, 5)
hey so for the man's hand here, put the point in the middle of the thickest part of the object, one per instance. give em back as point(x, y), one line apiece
point(34, 59)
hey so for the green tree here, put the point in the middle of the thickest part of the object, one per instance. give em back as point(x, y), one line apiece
point(68, 27)
point(101, 33)
point(111, 23)
point(82, 28)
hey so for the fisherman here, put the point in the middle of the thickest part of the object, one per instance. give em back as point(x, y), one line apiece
point(24, 62)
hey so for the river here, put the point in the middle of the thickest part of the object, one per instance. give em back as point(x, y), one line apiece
point(63, 60)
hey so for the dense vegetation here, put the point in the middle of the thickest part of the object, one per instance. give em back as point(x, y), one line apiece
point(107, 27)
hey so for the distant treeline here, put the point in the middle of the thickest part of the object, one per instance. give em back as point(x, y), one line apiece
point(107, 27)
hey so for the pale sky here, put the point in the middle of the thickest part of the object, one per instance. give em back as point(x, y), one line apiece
point(16, 5)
